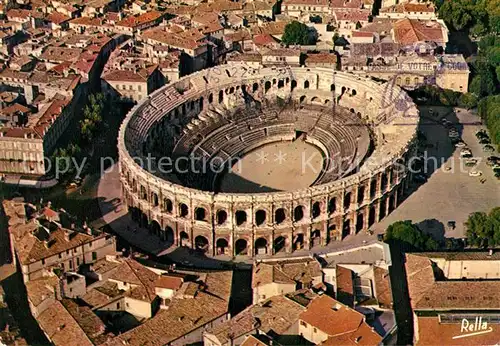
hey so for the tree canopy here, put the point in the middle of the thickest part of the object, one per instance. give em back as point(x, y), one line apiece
point(478, 16)
point(410, 237)
point(298, 33)
point(483, 229)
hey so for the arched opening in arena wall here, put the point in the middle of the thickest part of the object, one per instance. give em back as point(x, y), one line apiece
point(169, 235)
point(332, 87)
point(279, 215)
point(261, 246)
point(184, 239)
point(255, 87)
point(155, 228)
point(200, 214)
point(154, 199)
point(168, 206)
point(347, 200)
point(373, 188)
point(241, 217)
point(281, 84)
point(316, 209)
point(302, 99)
point(298, 242)
point(222, 246)
point(359, 222)
point(293, 85)
point(144, 221)
point(260, 217)
point(241, 247)
point(316, 100)
point(210, 98)
point(306, 84)
point(279, 244)
point(183, 210)
point(383, 184)
point(298, 213)
point(361, 194)
point(371, 216)
point(221, 217)
point(332, 205)
point(383, 205)
point(315, 238)
point(221, 96)
point(391, 202)
point(201, 243)
point(332, 233)
point(346, 229)
point(267, 86)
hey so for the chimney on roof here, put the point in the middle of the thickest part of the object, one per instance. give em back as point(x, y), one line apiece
point(46, 244)
point(357, 339)
point(67, 236)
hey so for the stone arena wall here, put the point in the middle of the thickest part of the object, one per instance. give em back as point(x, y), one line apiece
point(265, 223)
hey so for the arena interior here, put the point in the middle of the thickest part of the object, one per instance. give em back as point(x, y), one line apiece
point(236, 160)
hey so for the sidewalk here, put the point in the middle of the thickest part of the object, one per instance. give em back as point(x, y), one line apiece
point(116, 216)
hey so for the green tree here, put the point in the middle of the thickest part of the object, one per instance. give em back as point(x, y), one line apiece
point(409, 237)
point(298, 33)
point(477, 229)
point(483, 84)
point(468, 101)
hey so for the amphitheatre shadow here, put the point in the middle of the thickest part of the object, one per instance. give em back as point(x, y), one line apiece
point(232, 182)
point(435, 147)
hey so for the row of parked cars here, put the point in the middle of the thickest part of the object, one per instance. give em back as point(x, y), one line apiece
point(492, 161)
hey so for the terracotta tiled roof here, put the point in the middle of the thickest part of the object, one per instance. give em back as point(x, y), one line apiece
point(183, 315)
point(14, 108)
point(363, 336)
point(18, 13)
point(323, 310)
point(61, 328)
point(86, 318)
point(303, 271)
point(428, 293)
point(253, 341)
point(431, 332)
point(134, 273)
point(408, 31)
point(345, 285)
point(170, 282)
point(39, 290)
point(383, 286)
point(352, 15)
point(263, 40)
point(306, 2)
point(345, 3)
point(57, 17)
point(276, 314)
point(321, 58)
point(144, 18)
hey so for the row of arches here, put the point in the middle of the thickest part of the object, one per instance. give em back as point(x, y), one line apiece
point(350, 200)
point(288, 241)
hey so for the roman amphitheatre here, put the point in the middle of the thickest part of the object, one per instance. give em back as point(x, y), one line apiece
point(237, 160)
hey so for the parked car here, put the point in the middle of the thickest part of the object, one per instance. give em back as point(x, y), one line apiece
point(470, 162)
point(484, 140)
point(481, 134)
point(488, 148)
point(475, 173)
point(492, 160)
point(460, 144)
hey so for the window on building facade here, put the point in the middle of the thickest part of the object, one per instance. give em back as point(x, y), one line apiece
point(94, 256)
point(43, 261)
